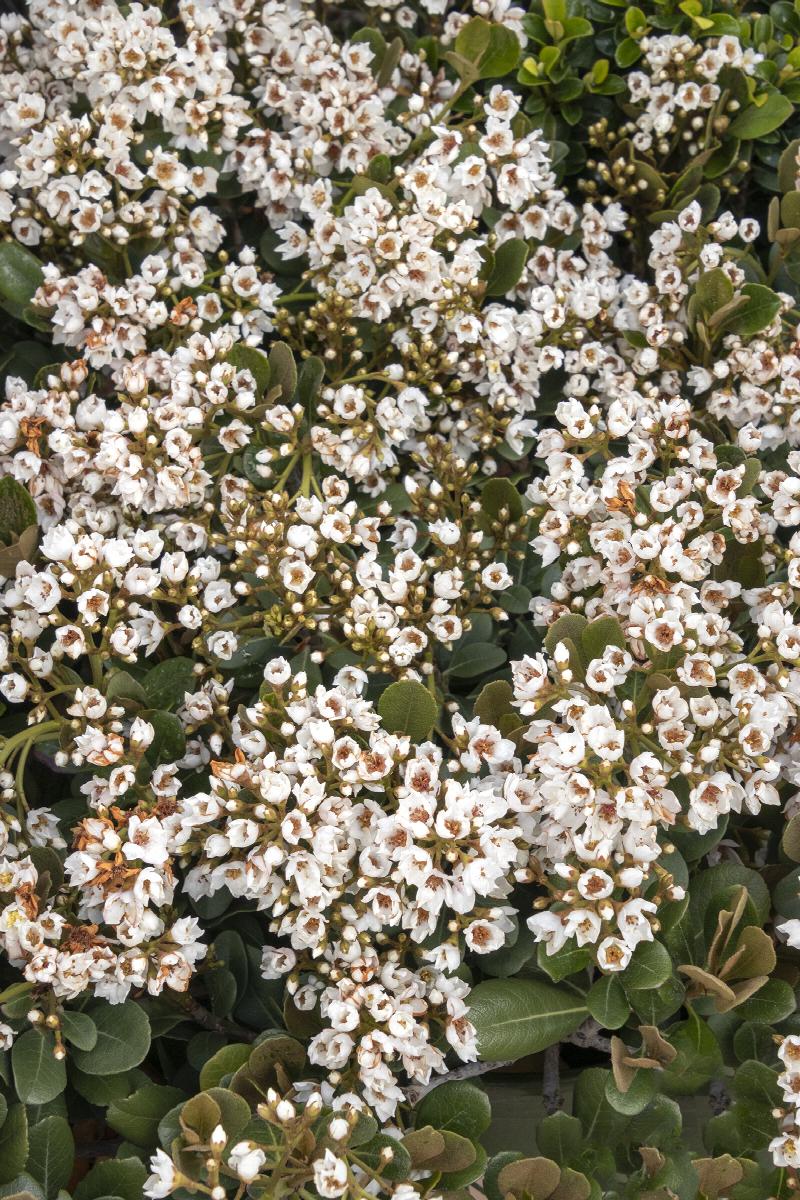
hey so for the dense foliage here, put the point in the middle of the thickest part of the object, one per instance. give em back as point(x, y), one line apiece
point(399, 569)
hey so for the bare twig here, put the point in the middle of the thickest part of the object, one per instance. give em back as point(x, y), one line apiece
point(588, 1036)
point(195, 1010)
point(415, 1093)
point(718, 1097)
point(551, 1094)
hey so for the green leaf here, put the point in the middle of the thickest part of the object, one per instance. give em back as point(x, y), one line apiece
point(79, 1029)
point(472, 40)
point(123, 1039)
point(568, 960)
point(38, 1075)
point(259, 1073)
point(771, 1004)
point(492, 50)
point(641, 1091)
point(247, 358)
point(20, 275)
point(598, 635)
point(99, 1089)
point(255, 652)
point(510, 958)
point(17, 509)
point(494, 702)
point(24, 1187)
point(309, 379)
point(13, 1143)
point(201, 1115)
point(790, 840)
point(123, 1177)
point(560, 1137)
point(659, 1125)
point(509, 262)
point(283, 371)
point(51, 1154)
point(475, 658)
point(627, 53)
point(650, 967)
point(230, 951)
point(762, 307)
point(408, 707)
point(137, 1116)
point(607, 1002)
point(713, 289)
point(755, 1089)
point(492, 1174)
point(570, 627)
point(498, 495)
point(635, 20)
point(226, 1061)
point(169, 741)
point(787, 167)
point(459, 1106)
point(234, 1111)
point(167, 682)
point(601, 1123)
point(120, 686)
point(454, 1182)
point(757, 120)
point(516, 1017)
point(699, 1056)
point(398, 1167)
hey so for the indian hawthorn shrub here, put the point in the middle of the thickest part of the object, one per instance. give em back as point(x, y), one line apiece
point(399, 572)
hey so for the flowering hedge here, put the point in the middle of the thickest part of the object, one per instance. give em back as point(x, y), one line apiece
point(399, 563)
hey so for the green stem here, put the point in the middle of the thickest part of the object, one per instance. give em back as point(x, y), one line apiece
point(33, 733)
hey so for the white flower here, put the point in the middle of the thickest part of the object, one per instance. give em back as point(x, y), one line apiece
point(164, 1177)
point(246, 1159)
point(330, 1175)
point(296, 575)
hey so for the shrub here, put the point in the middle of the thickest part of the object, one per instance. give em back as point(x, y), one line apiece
point(399, 568)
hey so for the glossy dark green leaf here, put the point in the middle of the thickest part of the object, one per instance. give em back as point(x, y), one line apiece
point(123, 1039)
point(516, 1017)
point(38, 1074)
